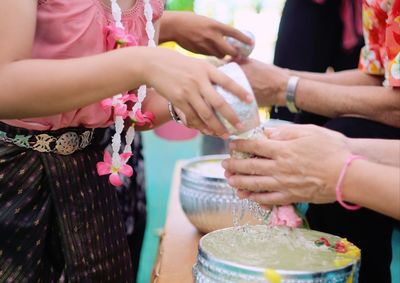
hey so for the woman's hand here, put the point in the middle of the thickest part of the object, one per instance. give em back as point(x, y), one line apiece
point(188, 84)
point(200, 34)
point(295, 164)
point(269, 82)
point(184, 121)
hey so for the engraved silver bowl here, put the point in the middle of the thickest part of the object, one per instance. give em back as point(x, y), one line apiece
point(210, 269)
point(207, 199)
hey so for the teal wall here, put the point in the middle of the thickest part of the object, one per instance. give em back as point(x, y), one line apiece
point(160, 157)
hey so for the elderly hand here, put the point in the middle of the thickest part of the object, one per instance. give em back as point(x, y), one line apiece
point(200, 34)
point(269, 82)
point(296, 164)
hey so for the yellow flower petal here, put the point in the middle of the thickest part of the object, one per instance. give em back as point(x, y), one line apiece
point(368, 15)
point(373, 68)
point(272, 276)
point(351, 250)
point(342, 261)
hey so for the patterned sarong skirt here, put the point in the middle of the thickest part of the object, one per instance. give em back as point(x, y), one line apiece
point(57, 216)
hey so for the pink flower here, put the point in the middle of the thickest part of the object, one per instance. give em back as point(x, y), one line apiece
point(285, 216)
point(129, 97)
point(120, 108)
point(141, 119)
point(106, 167)
point(323, 241)
point(117, 37)
point(107, 103)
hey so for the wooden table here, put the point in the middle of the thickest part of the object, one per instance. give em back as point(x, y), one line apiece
point(178, 246)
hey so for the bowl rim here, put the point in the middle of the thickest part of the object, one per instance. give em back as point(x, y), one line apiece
point(229, 265)
point(187, 172)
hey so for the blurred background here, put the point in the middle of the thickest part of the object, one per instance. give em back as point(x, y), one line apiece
point(262, 18)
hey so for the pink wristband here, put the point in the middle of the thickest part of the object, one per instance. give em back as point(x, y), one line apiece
point(339, 198)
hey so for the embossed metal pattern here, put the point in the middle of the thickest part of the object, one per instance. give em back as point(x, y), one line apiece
point(247, 112)
point(208, 202)
point(65, 144)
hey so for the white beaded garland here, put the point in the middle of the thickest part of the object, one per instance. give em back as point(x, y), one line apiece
point(119, 121)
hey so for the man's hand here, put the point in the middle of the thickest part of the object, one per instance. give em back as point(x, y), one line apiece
point(269, 82)
point(200, 34)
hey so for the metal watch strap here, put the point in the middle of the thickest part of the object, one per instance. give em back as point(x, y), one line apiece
point(173, 113)
point(290, 94)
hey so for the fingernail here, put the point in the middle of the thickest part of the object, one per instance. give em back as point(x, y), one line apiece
point(232, 145)
point(249, 98)
point(224, 164)
point(274, 134)
point(269, 132)
point(227, 175)
point(239, 126)
point(225, 136)
point(207, 132)
point(266, 207)
point(240, 197)
point(230, 181)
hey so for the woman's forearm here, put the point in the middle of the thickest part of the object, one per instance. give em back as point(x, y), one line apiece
point(379, 191)
point(377, 150)
point(64, 85)
point(349, 77)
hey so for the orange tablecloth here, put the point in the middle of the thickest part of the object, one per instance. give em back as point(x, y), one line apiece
point(178, 246)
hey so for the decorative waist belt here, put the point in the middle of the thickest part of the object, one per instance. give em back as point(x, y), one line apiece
point(64, 142)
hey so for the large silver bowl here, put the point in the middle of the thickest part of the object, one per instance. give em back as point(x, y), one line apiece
point(213, 268)
point(207, 199)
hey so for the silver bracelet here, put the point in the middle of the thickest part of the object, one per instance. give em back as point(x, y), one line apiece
point(173, 113)
point(291, 93)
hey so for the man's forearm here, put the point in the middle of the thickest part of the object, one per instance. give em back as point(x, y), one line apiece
point(350, 77)
point(166, 27)
point(371, 102)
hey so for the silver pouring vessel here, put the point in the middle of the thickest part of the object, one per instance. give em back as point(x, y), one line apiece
point(247, 112)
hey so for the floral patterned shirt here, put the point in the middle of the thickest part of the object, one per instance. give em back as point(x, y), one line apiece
point(381, 54)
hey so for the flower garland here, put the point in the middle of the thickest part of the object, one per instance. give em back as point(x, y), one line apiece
point(115, 164)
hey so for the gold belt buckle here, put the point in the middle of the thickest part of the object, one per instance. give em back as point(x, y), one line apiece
point(67, 143)
point(86, 138)
point(43, 143)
